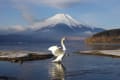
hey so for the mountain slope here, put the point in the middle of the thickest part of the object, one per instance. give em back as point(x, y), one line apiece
point(64, 25)
point(56, 19)
point(108, 36)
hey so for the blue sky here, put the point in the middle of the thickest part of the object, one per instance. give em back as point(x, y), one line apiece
point(17, 14)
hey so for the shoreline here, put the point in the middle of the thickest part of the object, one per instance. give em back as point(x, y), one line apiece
point(21, 56)
point(109, 53)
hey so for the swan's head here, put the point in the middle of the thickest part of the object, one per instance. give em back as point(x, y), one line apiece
point(53, 48)
point(63, 38)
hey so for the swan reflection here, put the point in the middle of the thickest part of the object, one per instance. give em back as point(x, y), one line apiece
point(57, 71)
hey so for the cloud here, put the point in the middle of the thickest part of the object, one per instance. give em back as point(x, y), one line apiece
point(25, 12)
point(53, 3)
point(17, 28)
point(60, 3)
point(12, 29)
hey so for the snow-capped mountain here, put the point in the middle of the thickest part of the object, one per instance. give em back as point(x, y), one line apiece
point(54, 27)
point(56, 19)
point(64, 25)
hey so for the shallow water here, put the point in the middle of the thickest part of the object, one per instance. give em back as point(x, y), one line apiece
point(73, 67)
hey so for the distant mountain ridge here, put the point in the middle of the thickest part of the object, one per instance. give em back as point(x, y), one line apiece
point(108, 36)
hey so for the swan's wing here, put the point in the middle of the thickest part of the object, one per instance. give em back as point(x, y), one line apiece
point(56, 51)
point(59, 51)
point(52, 48)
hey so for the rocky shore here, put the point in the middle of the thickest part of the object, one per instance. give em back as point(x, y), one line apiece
point(20, 56)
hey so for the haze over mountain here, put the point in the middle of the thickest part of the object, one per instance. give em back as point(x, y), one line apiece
point(55, 27)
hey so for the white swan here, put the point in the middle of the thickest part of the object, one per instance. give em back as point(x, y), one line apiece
point(58, 52)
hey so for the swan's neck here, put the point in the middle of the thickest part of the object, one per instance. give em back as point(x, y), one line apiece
point(63, 45)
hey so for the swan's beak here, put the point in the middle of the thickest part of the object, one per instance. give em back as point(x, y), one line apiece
point(64, 38)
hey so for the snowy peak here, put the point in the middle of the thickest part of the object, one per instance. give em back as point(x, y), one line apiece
point(56, 19)
point(59, 16)
point(65, 19)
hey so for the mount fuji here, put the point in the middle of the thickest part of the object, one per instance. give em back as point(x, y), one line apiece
point(63, 25)
point(54, 27)
point(57, 19)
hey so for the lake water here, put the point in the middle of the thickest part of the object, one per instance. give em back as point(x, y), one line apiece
point(74, 67)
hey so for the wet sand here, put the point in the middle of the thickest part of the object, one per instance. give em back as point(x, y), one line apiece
point(111, 53)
